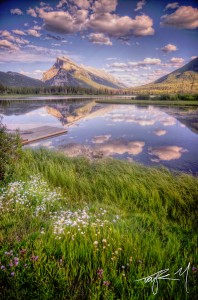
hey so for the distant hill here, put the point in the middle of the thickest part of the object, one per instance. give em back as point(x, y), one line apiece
point(14, 79)
point(183, 80)
point(65, 72)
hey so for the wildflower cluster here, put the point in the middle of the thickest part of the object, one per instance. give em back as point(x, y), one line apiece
point(81, 220)
point(33, 194)
point(13, 262)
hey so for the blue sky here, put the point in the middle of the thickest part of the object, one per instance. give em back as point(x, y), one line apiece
point(136, 41)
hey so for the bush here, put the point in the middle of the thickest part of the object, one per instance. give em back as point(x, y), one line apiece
point(143, 97)
point(10, 152)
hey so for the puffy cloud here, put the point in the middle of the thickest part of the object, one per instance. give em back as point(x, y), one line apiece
point(140, 5)
point(150, 61)
point(100, 39)
point(172, 5)
point(184, 17)
point(6, 34)
point(19, 32)
point(21, 41)
point(16, 11)
point(33, 32)
point(167, 152)
point(177, 61)
point(104, 6)
point(193, 57)
point(31, 12)
point(119, 27)
point(84, 4)
point(8, 45)
point(169, 48)
point(62, 21)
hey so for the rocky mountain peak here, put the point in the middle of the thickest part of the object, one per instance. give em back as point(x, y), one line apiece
point(67, 72)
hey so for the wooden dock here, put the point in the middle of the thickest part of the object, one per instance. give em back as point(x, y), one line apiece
point(40, 133)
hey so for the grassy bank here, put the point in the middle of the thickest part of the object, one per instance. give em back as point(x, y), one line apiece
point(74, 229)
point(150, 102)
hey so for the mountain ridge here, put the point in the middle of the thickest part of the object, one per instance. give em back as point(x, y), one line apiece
point(182, 80)
point(66, 72)
point(14, 79)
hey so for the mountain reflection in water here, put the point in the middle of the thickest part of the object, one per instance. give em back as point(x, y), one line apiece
point(146, 134)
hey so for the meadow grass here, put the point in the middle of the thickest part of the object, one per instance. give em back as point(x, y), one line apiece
point(76, 229)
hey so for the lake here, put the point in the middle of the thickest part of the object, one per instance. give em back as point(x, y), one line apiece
point(146, 134)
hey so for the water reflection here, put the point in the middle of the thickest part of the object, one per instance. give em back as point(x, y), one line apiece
point(159, 132)
point(121, 147)
point(150, 135)
point(101, 139)
point(167, 153)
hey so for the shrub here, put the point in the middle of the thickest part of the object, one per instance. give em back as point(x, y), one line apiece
point(10, 151)
point(143, 97)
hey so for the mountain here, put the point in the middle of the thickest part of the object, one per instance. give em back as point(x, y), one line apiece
point(14, 79)
point(183, 80)
point(66, 72)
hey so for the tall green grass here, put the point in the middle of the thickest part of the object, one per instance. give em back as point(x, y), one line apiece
point(139, 221)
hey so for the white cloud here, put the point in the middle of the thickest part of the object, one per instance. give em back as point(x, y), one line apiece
point(36, 27)
point(100, 39)
point(116, 26)
point(119, 65)
point(19, 32)
point(33, 32)
point(31, 12)
point(104, 6)
point(84, 4)
point(150, 61)
point(6, 34)
point(140, 5)
point(16, 11)
point(35, 74)
point(169, 48)
point(177, 61)
point(184, 17)
point(8, 45)
point(63, 22)
point(172, 5)
point(193, 57)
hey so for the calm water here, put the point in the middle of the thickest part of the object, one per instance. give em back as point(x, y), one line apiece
point(149, 135)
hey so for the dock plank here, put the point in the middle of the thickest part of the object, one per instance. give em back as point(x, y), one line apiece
point(40, 133)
